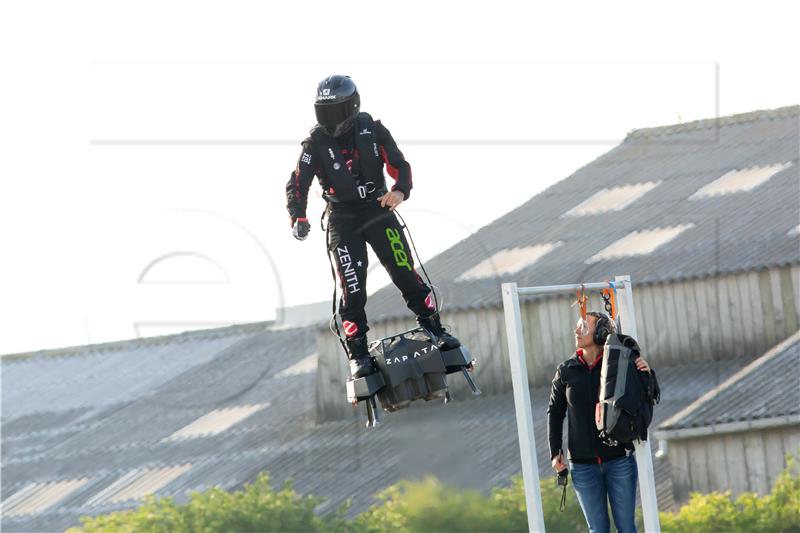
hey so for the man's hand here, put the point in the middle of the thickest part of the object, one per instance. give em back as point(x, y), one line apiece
point(642, 365)
point(558, 463)
point(300, 229)
point(392, 199)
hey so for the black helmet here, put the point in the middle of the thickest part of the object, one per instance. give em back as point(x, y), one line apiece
point(336, 104)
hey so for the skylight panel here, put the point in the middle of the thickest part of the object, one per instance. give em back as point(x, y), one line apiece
point(606, 200)
point(215, 422)
point(742, 180)
point(307, 365)
point(508, 261)
point(38, 497)
point(138, 483)
point(639, 243)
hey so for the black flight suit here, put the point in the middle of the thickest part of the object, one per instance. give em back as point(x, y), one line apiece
point(354, 223)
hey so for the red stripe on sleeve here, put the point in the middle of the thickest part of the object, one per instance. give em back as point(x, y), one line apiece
point(393, 172)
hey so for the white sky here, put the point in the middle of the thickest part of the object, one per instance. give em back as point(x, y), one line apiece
point(110, 233)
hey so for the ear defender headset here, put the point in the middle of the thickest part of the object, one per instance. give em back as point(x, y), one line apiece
point(603, 327)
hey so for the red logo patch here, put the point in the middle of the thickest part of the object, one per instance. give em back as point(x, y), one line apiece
point(350, 328)
point(429, 301)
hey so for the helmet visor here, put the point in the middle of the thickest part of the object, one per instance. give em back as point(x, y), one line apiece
point(330, 115)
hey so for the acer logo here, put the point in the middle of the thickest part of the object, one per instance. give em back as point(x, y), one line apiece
point(399, 251)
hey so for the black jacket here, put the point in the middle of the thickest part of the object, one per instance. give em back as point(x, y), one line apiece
point(308, 165)
point(574, 393)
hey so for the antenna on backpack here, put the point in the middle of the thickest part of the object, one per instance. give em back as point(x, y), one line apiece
point(581, 301)
point(610, 303)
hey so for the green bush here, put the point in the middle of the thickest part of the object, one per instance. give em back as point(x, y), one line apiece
point(407, 506)
point(777, 512)
point(255, 508)
point(430, 506)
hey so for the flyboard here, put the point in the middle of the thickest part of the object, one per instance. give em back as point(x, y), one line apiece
point(409, 367)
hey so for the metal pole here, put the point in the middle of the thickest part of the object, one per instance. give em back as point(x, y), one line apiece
point(550, 289)
point(522, 405)
point(644, 457)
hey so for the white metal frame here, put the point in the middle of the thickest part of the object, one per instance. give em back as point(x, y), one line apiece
point(522, 400)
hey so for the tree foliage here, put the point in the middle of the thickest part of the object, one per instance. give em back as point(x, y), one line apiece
point(777, 512)
point(257, 507)
point(430, 506)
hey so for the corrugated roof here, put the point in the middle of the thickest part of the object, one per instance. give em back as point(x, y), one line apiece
point(137, 484)
point(713, 124)
point(107, 410)
point(508, 261)
point(767, 388)
point(613, 199)
point(753, 227)
point(38, 497)
point(172, 339)
point(739, 180)
point(119, 445)
point(307, 365)
point(216, 421)
point(639, 243)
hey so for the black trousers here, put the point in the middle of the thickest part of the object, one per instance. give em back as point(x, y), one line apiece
point(350, 229)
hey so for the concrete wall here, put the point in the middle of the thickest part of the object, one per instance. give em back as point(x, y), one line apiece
point(737, 315)
point(739, 462)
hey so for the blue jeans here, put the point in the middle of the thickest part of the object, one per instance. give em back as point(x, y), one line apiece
point(612, 482)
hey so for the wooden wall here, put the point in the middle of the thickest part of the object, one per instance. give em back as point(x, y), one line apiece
point(739, 462)
point(737, 315)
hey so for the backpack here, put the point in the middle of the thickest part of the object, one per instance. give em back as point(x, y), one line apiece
point(625, 405)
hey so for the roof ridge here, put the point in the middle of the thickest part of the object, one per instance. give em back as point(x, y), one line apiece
point(737, 376)
point(198, 334)
point(707, 123)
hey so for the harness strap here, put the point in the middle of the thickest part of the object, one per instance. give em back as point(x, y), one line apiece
point(342, 179)
point(367, 144)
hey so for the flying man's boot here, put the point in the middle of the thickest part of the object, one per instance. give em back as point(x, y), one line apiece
point(444, 341)
point(360, 360)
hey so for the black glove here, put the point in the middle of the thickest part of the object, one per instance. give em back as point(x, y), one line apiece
point(301, 228)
